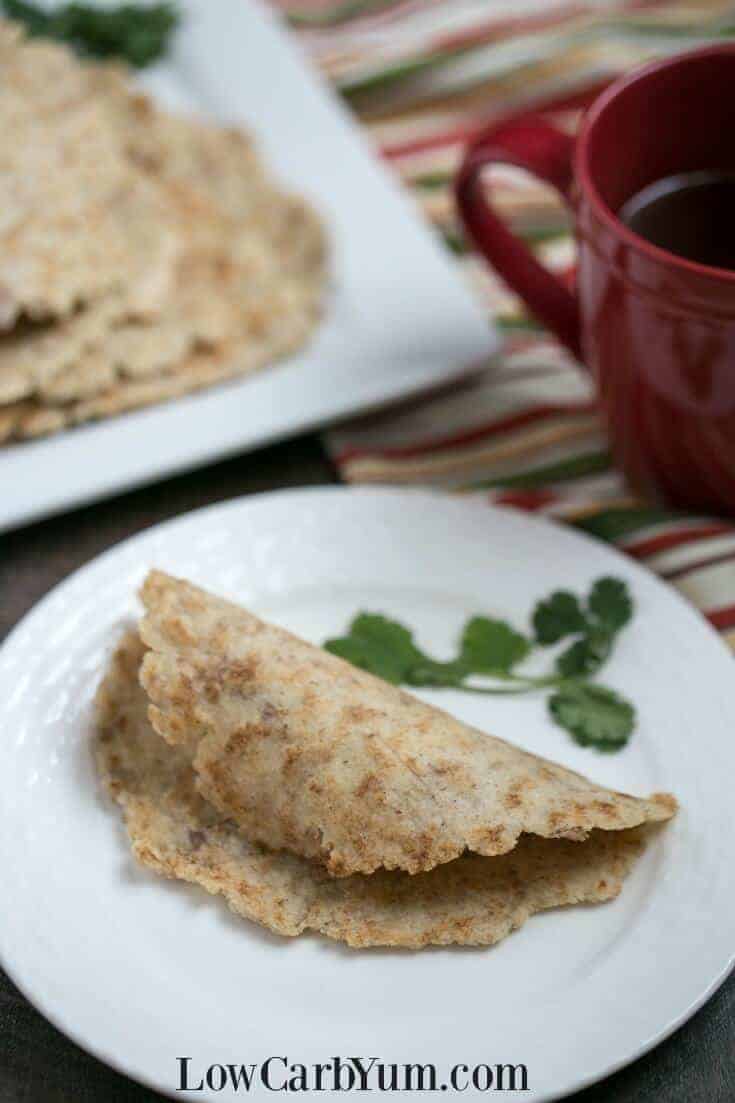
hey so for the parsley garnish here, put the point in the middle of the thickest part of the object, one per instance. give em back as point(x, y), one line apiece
point(137, 33)
point(493, 649)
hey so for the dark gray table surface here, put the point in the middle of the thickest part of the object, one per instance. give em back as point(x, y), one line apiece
point(37, 1063)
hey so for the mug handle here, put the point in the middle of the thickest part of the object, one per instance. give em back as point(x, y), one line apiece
point(530, 142)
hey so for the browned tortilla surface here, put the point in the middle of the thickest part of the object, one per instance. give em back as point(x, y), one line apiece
point(305, 753)
point(472, 901)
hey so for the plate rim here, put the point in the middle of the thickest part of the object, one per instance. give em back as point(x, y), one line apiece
point(481, 506)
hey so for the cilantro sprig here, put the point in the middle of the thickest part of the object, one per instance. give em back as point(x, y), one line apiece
point(137, 33)
point(493, 650)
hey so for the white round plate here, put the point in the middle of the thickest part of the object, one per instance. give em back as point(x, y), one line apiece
point(141, 971)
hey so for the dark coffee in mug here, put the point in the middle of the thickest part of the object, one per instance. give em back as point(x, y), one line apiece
point(691, 214)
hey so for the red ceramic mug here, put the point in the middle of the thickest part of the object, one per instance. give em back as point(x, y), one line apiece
point(656, 330)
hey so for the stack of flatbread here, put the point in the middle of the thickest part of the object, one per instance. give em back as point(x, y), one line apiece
point(314, 796)
point(142, 255)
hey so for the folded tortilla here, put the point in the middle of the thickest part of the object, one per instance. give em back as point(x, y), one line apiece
point(305, 753)
point(472, 901)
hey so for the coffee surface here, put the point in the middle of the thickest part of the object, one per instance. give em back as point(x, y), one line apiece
point(690, 214)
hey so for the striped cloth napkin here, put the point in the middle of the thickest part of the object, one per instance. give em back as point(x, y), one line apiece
point(424, 76)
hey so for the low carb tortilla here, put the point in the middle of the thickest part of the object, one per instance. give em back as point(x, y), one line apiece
point(306, 753)
point(179, 264)
point(471, 901)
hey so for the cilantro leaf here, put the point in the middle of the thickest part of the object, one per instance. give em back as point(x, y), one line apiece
point(380, 631)
point(430, 673)
point(610, 602)
point(593, 715)
point(374, 660)
point(491, 646)
point(559, 616)
point(586, 655)
point(382, 646)
point(387, 649)
point(137, 33)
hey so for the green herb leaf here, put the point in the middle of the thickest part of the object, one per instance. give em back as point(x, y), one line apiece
point(611, 603)
point(382, 646)
point(559, 616)
point(594, 716)
point(363, 656)
point(427, 673)
point(586, 655)
point(137, 33)
point(387, 649)
point(491, 646)
point(387, 633)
